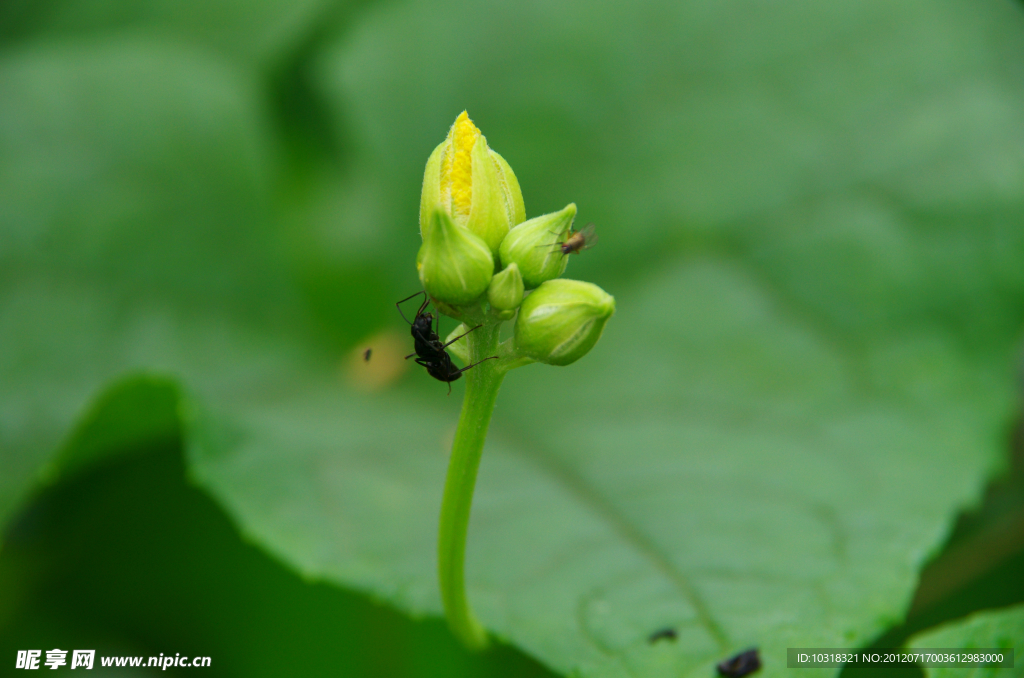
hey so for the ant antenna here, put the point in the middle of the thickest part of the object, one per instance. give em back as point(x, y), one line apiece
point(425, 302)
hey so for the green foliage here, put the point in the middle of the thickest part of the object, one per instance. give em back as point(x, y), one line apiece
point(79, 570)
point(256, 31)
point(810, 220)
point(1003, 629)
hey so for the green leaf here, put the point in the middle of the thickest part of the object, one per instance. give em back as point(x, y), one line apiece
point(1002, 629)
point(741, 489)
point(188, 576)
point(134, 181)
point(133, 412)
point(255, 31)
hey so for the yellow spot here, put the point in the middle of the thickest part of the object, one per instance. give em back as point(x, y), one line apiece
point(385, 364)
point(457, 168)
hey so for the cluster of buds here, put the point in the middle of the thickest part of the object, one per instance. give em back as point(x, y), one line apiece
point(479, 249)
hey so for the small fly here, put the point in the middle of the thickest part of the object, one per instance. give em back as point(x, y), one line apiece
point(366, 355)
point(580, 240)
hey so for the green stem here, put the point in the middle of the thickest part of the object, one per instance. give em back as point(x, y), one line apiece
point(482, 384)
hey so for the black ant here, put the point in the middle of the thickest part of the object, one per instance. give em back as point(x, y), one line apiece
point(580, 240)
point(430, 352)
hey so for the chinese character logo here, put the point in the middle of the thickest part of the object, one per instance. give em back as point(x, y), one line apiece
point(82, 659)
point(28, 659)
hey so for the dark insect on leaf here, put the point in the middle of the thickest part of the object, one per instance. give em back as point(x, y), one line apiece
point(366, 354)
point(662, 634)
point(740, 665)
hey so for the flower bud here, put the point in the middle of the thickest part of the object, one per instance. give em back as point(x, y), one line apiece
point(506, 289)
point(472, 184)
point(455, 266)
point(562, 320)
point(533, 246)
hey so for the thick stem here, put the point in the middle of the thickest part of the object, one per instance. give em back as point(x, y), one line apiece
point(482, 384)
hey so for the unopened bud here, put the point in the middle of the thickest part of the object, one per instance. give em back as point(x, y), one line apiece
point(533, 246)
point(561, 320)
point(472, 184)
point(455, 266)
point(506, 289)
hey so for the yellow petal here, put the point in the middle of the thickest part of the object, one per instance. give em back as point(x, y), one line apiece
point(457, 168)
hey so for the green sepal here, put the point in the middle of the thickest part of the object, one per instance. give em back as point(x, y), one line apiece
point(460, 349)
point(430, 197)
point(455, 266)
point(510, 187)
point(489, 214)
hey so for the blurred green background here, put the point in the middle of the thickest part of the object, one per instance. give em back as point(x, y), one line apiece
point(811, 215)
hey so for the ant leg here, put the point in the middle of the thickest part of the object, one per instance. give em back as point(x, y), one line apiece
point(407, 299)
point(449, 388)
point(416, 294)
point(493, 357)
point(410, 355)
point(460, 337)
